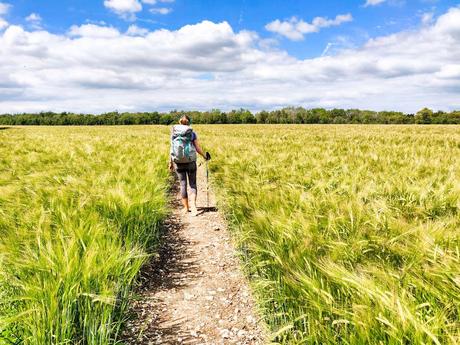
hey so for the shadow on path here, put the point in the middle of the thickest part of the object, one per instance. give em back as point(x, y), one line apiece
point(202, 210)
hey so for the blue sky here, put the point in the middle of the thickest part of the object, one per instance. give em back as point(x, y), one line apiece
point(262, 53)
point(387, 17)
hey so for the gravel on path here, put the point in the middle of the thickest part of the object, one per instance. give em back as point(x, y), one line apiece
point(194, 292)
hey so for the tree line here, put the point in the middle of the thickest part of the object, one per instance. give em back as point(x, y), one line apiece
point(293, 115)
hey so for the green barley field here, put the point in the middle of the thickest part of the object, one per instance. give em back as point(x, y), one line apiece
point(79, 209)
point(350, 234)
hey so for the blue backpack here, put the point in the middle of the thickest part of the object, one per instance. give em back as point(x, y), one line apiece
point(182, 148)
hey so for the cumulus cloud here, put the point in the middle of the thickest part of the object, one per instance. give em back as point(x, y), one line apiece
point(124, 8)
point(4, 9)
point(135, 30)
point(94, 31)
point(161, 10)
point(3, 23)
point(34, 17)
point(427, 18)
point(154, 2)
point(373, 2)
point(295, 29)
point(95, 68)
point(35, 21)
point(127, 9)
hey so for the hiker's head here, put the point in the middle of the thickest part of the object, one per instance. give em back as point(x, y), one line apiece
point(184, 120)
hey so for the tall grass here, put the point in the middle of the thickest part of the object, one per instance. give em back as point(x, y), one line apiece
point(350, 233)
point(79, 209)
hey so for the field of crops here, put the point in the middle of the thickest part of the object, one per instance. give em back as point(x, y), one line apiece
point(79, 208)
point(351, 233)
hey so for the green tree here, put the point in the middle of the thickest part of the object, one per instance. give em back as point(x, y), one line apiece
point(424, 116)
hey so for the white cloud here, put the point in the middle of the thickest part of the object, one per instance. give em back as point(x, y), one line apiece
point(127, 9)
point(161, 10)
point(154, 2)
point(295, 28)
point(35, 21)
point(4, 8)
point(124, 8)
point(3, 23)
point(373, 2)
point(451, 71)
point(34, 17)
point(165, 69)
point(427, 18)
point(134, 30)
point(94, 31)
point(449, 23)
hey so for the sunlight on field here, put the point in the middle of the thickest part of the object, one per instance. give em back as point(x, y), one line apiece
point(79, 207)
point(351, 233)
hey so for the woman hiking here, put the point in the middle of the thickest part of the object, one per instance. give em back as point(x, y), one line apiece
point(184, 147)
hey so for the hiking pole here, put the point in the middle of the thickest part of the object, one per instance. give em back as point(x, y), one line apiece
point(208, 157)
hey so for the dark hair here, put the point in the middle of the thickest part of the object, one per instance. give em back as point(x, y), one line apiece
point(184, 120)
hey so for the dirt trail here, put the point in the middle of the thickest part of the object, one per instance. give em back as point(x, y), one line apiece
point(194, 292)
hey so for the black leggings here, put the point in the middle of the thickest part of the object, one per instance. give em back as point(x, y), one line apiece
point(182, 170)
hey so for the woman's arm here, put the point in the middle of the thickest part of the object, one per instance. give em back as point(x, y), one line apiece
point(198, 148)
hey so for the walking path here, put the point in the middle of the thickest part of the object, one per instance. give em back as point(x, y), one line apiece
point(194, 292)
